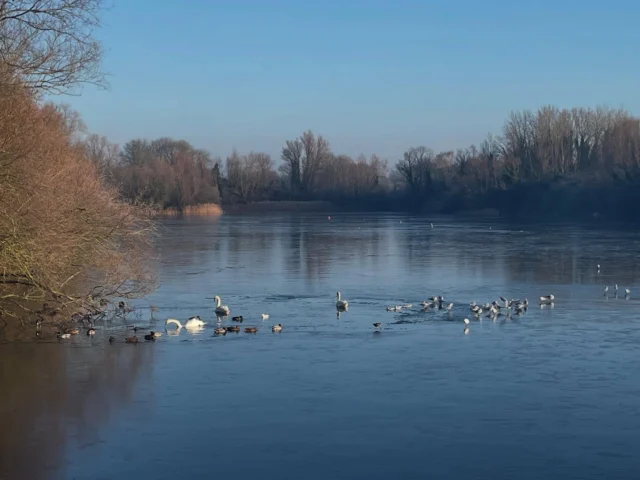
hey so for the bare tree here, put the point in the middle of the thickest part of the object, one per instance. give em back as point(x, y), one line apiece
point(102, 153)
point(248, 175)
point(49, 44)
point(316, 153)
point(415, 168)
point(292, 167)
point(168, 149)
point(137, 152)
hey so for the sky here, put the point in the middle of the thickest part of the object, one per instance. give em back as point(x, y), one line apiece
point(371, 76)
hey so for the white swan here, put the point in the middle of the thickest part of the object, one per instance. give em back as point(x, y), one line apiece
point(265, 316)
point(193, 322)
point(341, 303)
point(221, 309)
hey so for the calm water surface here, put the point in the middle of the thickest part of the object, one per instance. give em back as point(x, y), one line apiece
point(552, 394)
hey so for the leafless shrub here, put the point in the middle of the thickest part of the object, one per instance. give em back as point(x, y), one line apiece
point(65, 237)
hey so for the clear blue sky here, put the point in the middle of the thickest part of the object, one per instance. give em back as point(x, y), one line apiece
point(372, 76)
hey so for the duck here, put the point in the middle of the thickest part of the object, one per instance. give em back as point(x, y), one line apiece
point(277, 328)
point(397, 308)
point(341, 303)
point(265, 316)
point(112, 339)
point(193, 322)
point(605, 290)
point(73, 331)
point(550, 298)
point(151, 336)
point(377, 324)
point(91, 331)
point(233, 328)
point(250, 330)
point(121, 305)
point(220, 331)
point(449, 307)
point(407, 305)
point(466, 321)
point(237, 319)
point(63, 335)
point(627, 291)
point(221, 309)
point(133, 339)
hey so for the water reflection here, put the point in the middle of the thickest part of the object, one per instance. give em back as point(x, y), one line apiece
point(314, 250)
point(54, 395)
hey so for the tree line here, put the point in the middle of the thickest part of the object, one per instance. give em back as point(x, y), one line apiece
point(540, 157)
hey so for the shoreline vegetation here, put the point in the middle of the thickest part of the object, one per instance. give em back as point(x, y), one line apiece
point(71, 247)
point(551, 164)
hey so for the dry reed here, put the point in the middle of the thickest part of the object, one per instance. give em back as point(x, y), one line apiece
point(204, 209)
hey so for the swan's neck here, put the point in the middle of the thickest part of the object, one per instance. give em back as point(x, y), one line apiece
point(338, 296)
point(171, 320)
point(218, 302)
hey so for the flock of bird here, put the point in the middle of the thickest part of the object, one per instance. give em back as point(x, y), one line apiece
point(492, 310)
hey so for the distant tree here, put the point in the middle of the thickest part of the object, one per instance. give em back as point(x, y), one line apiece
point(249, 176)
point(137, 152)
point(316, 154)
point(416, 168)
point(292, 166)
point(102, 153)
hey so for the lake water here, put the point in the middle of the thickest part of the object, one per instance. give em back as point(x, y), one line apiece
point(551, 394)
